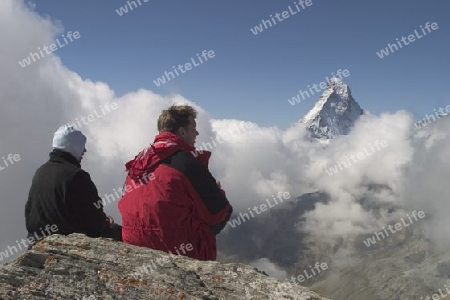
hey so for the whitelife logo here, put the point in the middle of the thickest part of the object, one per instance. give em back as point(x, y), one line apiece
point(323, 85)
point(109, 198)
point(53, 47)
point(411, 38)
point(422, 123)
point(398, 226)
point(263, 207)
point(124, 9)
point(356, 157)
point(12, 158)
point(243, 126)
point(284, 15)
point(439, 296)
point(148, 268)
point(188, 66)
point(29, 241)
point(313, 271)
point(105, 109)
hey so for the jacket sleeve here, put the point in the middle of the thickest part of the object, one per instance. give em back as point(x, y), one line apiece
point(213, 207)
point(219, 227)
point(82, 197)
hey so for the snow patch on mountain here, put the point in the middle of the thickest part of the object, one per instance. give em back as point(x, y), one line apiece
point(335, 113)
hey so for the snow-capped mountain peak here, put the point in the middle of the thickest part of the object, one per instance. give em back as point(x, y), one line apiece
point(335, 112)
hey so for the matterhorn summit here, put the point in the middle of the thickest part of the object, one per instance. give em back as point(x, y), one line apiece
point(335, 113)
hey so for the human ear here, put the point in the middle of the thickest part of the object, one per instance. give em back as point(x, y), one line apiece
point(181, 131)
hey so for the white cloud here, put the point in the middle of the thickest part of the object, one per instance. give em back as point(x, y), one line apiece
point(270, 268)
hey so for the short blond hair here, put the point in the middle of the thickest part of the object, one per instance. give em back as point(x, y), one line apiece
point(176, 116)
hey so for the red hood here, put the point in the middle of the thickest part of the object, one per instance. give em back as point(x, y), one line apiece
point(165, 145)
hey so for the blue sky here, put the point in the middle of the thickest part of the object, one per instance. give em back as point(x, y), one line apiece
point(252, 76)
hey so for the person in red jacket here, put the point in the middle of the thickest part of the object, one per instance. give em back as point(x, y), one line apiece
point(181, 208)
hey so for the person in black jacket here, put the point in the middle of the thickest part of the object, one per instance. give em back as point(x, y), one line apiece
point(63, 195)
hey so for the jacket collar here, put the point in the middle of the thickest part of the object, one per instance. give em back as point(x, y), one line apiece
point(165, 145)
point(60, 156)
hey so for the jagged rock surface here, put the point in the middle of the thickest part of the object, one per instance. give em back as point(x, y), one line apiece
point(78, 267)
point(335, 113)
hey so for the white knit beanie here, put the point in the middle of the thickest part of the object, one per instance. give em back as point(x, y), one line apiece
point(70, 140)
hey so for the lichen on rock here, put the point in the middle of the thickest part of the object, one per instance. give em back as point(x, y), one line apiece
point(78, 267)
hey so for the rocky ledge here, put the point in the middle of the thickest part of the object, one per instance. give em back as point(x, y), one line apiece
point(78, 267)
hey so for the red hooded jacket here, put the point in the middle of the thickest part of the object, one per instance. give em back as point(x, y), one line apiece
point(171, 200)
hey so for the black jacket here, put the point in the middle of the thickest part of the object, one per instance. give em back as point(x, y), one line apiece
point(63, 194)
